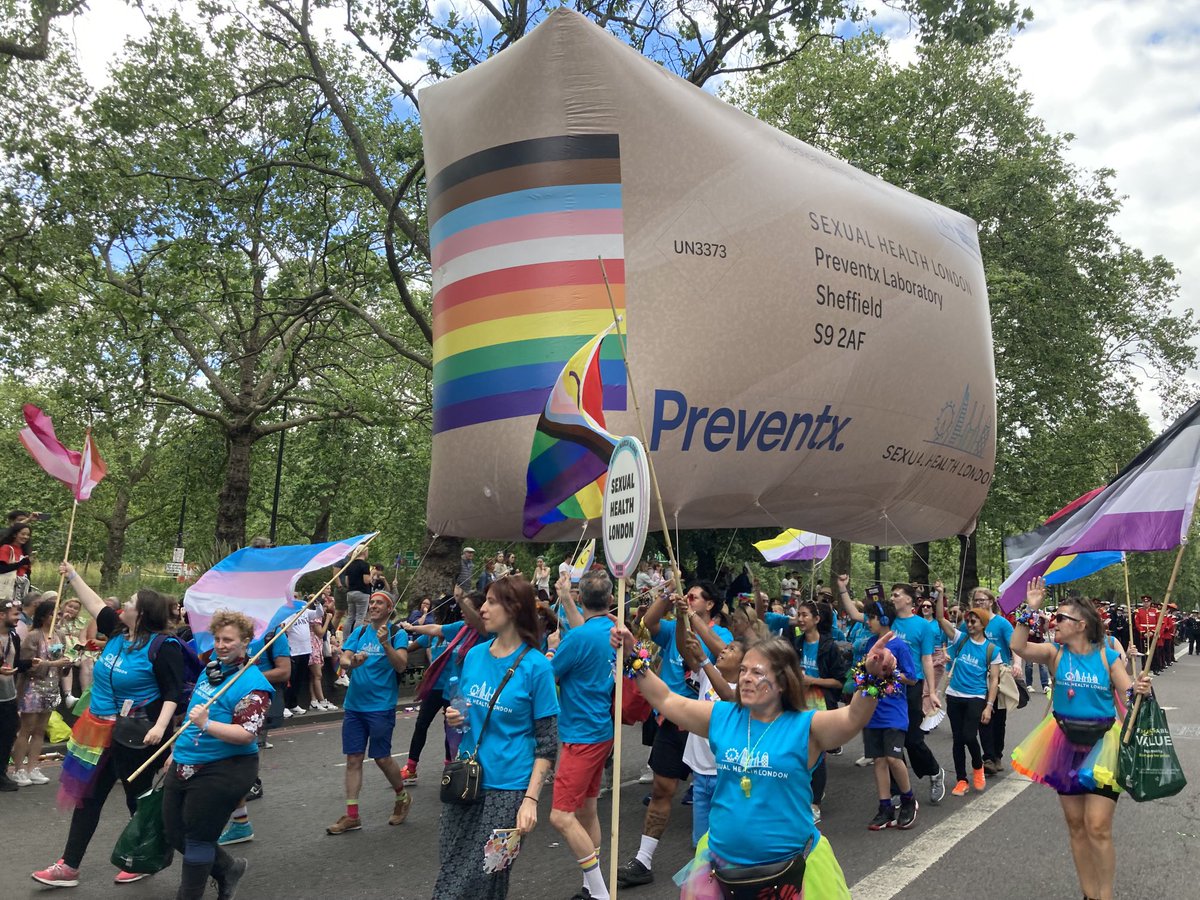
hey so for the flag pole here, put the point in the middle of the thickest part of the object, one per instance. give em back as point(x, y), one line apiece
point(619, 675)
point(1137, 700)
point(662, 516)
point(1133, 651)
point(279, 632)
point(62, 578)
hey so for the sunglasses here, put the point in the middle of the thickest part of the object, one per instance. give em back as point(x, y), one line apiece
point(1063, 617)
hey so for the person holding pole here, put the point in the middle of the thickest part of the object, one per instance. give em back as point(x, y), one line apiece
point(374, 654)
point(137, 679)
point(766, 746)
point(215, 762)
point(583, 665)
point(696, 610)
point(1066, 744)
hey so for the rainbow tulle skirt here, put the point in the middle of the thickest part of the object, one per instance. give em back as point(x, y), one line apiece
point(1048, 757)
point(823, 878)
point(87, 752)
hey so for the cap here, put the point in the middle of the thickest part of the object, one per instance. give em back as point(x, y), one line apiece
point(468, 549)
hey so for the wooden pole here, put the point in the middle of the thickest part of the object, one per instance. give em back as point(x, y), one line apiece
point(616, 790)
point(279, 632)
point(62, 578)
point(1137, 700)
point(1132, 648)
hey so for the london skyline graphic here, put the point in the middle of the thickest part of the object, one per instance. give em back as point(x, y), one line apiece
point(965, 427)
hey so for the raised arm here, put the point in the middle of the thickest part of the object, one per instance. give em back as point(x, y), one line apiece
point(563, 588)
point(843, 586)
point(90, 599)
point(837, 727)
point(939, 612)
point(658, 608)
point(1035, 596)
point(689, 715)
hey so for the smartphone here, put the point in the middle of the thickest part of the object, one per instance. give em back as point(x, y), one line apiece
point(41, 516)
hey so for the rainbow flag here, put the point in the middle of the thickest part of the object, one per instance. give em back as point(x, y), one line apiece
point(515, 234)
point(794, 545)
point(571, 446)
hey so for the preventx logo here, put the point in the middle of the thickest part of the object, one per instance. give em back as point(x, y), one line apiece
point(740, 429)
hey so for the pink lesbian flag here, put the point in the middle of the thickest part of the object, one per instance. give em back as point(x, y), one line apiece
point(91, 469)
point(47, 450)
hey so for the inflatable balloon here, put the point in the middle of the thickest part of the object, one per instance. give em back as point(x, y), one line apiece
point(808, 345)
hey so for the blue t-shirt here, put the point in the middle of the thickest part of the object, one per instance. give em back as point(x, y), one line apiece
point(998, 631)
point(672, 663)
point(123, 673)
point(583, 667)
point(810, 659)
point(777, 623)
point(918, 634)
point(780, 801)
point(860, 639)
point(373, 686)
point(1083, 684)
point(968, 677)
point(196, 746)
point(507, 751)
point(939, 636)
point(892, 712)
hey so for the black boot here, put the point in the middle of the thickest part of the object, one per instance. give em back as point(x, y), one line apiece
point(227, 872)
point(193, 880)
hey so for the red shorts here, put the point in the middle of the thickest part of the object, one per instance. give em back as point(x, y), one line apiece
point(577, 775)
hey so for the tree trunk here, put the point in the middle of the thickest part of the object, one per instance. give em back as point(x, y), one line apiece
point(114, 544)
point(918, 565)
point(839, 562)
point(967, 564)
point(235, 491)
point(436, 574)
point(706, 562)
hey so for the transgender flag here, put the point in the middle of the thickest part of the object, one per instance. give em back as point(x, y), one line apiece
point(1148, 506)
point(257, 582)
point(794, 545)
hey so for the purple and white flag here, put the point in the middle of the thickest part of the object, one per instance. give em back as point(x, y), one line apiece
point(1148, 506)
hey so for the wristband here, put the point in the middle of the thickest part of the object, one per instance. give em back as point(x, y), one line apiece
point(71, 577)
point(875, 686)
point(638, 662)
point(1025, 616)
point(528, 797)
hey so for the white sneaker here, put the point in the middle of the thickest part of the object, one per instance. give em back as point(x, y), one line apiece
point(316, 704)
point(647, 776)
point(287, 713)
point(298, 710)
point(343, 680)
point(36, 777)
point(816, 813)
point(70, 700)
point(863, 761)
point(21, 777)
point(327, 706)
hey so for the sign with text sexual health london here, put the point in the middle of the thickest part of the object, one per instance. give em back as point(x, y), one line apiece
point(808, 343)
point(626, 507)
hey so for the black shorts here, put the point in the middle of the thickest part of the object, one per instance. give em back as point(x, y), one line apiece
point(666, 756)
point(883, 742)
point(1108, 792)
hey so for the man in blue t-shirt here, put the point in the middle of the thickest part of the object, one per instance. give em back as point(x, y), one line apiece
point(697, 611)
point(919, 634)
point(374, 653)
point(583, 667)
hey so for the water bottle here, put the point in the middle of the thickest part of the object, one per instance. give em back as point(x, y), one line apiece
point(454, 696)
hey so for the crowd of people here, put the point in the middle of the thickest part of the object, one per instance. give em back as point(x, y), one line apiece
point(740, 695)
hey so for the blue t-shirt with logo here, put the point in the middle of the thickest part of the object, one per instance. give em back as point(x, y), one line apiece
point(999, 632)
point(918, 634)
point(1083, 684)
point(507, 750)
point(775, 759)
point(892, 712)
point(860, 639)
point(673, 669)
point(123, 672)
point(583, 667)
point(373, 686)
point(968, 677)
point(810, 659)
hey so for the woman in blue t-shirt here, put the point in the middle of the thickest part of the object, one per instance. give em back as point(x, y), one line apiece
point(214, 761)
point(516, 748)
point(1062, 751)
point(766, 746)
point(971, 693)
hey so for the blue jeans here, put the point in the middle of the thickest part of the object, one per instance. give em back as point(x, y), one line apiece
point(1043, 674)
point(702, 794)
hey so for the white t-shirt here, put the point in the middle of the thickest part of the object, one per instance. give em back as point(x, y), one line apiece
point(787, 585)
point(697, 753)
point(299, 636)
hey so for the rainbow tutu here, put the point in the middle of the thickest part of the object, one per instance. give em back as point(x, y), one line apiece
point(1048, 757)
point(823, 877)
point(86, 751)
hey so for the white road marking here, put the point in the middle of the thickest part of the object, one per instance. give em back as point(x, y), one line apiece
point(910, 863)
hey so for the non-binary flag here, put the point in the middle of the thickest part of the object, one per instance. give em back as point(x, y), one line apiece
point(47, 450)
point(794, 545)
point(571, 445)
point(1148, 506)
point(257, 582)
point(92, 469)
point(583, 561)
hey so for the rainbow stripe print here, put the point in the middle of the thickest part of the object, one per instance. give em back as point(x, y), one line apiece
point(516, 234)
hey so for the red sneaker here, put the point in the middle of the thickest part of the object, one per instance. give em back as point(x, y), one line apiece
point(124, 877)
point(58, 875)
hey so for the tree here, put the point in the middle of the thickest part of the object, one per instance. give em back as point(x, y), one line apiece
point(26, 34)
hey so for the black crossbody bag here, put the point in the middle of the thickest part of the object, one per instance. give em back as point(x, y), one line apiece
point(462, 779)
point(772, 880)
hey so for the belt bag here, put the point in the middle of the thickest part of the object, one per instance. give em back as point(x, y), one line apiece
point(774, 880)
point(462, 779)
point(1084, 732)
point(131, 730)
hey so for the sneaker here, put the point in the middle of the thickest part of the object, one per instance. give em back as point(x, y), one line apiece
point(937, 787)
point(70, 700)
point(816, 813)
point(687, 797)
point(36, 777)
point(256, 791)
point(863, 761)
point(836, 751)
point(344, 824)
point(236, 833)
point(227, 883)
point(287, 713)
point(647, 776)
point(1046, 690)
point(978, 779)
point(298, 710)
point(409, 774)
point(960, 789)
point(990, 766)
point(327, 706)
point(400, 810)
point(343, 680)
point(21, 777)
point(58, 875)
point(908, 812)
point(883, 819)
point(7, 785)
point(633, 873)
point(267, 745)
point(124, 877)
point(316, 704)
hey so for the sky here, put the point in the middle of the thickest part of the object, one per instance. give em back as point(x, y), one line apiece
point(1120, 75)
